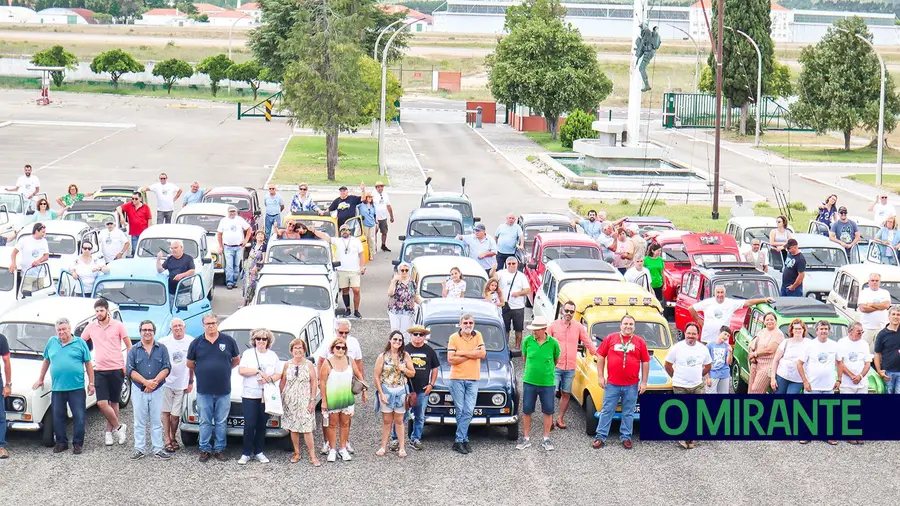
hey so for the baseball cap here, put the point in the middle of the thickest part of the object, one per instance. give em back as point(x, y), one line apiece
point(842, 209)
point(232, 208)
point(479, 227)
point(342, 188)
point(109, 221)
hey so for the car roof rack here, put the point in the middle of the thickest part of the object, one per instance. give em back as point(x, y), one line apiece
point(119, 188)
point(731, 266)
point(803, 306)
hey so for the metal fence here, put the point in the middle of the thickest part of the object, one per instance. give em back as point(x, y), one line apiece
point(415, 78)
point(698, 110)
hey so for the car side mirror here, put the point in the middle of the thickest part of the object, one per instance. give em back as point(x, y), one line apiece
point(335, 264)
point(395, 262)
point(401, 237)
point(207, 260)
point(532, 265)
point(476, 219)
point(852, 305)
point(29, 212)
point(515, 353)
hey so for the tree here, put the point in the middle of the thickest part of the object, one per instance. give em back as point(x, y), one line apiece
point(56, 56)
point(370, 73)
point(216, 68)
point(578, 125)
point(249, 72)
point(116, 62)
point(544, 64)
point(172, 70)
point(776, 84)
point(840, 84)
point(528, 10)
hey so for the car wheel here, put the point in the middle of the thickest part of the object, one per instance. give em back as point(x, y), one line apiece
point(590, 421)
point(47, 428)
point(126, 393)
point(737, 383)
point(190, 438)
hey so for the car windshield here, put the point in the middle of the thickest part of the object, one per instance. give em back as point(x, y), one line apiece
point(12, 201)
point(760, 233)
point(747, 288)
point(94, 219)
point(152, 246)
point(313, 297)
point(868, 232)
point(557, 252)
point(654, 227)
point(494, 338)
point(611, 276)
point(6, 280)
point(533, 230)
point(327, 227)
point(675, 253)
point(209, 222)
point(306, 254)
point(417, 250)
point(464, 209)
point(654, 334)
point(131, 292)
point(280, 346)
point(109, 196)
point(838, 330)
point(60, 244)
point(432, 228)
point(433, 286)
point(824, 258)
point(702, 259)
point(27, 336)
point(241, 203)
point(893, 287)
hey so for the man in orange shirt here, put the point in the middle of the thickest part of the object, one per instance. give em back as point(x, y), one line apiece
point(465, 349)
point(569, 333)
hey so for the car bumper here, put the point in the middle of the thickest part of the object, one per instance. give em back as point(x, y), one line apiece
point(271, 432)
point(618, 415)
point(24, 426)
point(478, 420)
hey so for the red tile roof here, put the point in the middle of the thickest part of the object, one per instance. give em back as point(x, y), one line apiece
point(250, 6)
point(165, 12)
point(402, 9)
point(203, 8)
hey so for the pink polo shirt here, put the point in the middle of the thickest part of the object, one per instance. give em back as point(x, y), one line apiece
point(108, 343)
point(568, 338)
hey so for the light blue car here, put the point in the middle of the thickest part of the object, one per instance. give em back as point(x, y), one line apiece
point(142, 294)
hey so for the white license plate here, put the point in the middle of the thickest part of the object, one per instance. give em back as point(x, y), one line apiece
point(476, 412)
point(235, 422)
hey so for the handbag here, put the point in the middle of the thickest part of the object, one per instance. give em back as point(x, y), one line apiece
point(512, 283)
point(358, 386)
point(272, 399)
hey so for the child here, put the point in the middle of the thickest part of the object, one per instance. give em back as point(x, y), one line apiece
point(718, 381)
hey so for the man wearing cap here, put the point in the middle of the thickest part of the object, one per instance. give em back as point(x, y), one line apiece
point(383, 212)
point(482, 248)
point(233, 233)
point(881, 209)
point(113, 241)
point(844, 231)
point(540, 353)
point(274, 205)
point(303, 203)
point(345, 205)
point(510, 237)
point(757, 256)
point(426, 364)
point(352, 258)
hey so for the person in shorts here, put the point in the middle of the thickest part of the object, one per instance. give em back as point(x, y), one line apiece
point(687, 363)
point(383, 212)
point(540, 353)
point(352, 258)
point(392, 369)
point(179, 382)
point(107, 335)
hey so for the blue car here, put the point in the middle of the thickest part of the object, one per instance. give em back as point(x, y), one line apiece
point(143, 294)
point(415, 247)
point(428, 222)
point(451, 200)
point(497, 403)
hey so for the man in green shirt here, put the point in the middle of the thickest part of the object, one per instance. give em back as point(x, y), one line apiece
point(540, 353)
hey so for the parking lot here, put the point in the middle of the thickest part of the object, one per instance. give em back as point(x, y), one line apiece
point(132, 139)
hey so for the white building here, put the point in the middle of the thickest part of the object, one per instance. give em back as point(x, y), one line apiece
point(164, 17)
point(781, 17)
point(228, 19)
point(420, 22)
point(16, 14)
point(811, 26)
point(252, 9)
point(64, 16)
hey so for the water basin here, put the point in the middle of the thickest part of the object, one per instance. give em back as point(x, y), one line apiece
point(624, 167)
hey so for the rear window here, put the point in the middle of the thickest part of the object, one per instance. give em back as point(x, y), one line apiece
point(241, 203)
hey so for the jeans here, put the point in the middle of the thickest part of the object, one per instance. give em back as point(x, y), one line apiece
point(418, 413)
point(2, 422)
point(464, 394)
point(272, 219)
point(163, 217)
point(787, 386)
point(147, 407)
point(797, 292)
point(255, 419)
point(213, 415)
point(893, 384)
point(612, 395)
point(134, 240)
point(75, 399)
point(232, 264)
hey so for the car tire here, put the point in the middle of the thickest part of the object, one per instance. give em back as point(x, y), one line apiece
point(47, 428)
point(126, 393)
point(512, 431)
point(737, 383)
point(190, 438)
point(590, 421)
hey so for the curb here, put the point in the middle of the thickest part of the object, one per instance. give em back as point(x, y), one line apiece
point(5, 123)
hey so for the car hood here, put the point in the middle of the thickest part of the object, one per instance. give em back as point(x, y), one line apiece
point(818, 280)
point(27, 370)
point(133, 316)
point(495, 371)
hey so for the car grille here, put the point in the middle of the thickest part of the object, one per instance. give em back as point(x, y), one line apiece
point(482, 400)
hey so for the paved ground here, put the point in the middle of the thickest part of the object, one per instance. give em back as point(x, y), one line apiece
point(207, 144)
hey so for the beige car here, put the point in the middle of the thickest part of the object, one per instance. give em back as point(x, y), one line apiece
point(851, 278)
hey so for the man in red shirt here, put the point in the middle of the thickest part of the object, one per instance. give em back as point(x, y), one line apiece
point(139, 217)
point(621, 357)
point(568, 333)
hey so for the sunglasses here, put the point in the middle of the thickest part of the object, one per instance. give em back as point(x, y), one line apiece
point(404, 270)
point(843, 212)
point(146, 330)
point(342, 333)
point(342, 348)
point(417, 334)
point(467, 323)
point(86, 248)
point(396, 340)
point(303, 189)
point(163, 178)
point(569, 311)
point(135, 198)
point(258, 339)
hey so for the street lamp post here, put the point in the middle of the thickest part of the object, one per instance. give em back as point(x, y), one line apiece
point(384, 56)
point(380, 34)
point(697, 64)
point(229, 42)
point(759, 104)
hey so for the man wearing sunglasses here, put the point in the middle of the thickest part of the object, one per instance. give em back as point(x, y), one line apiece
point(139, 217)
point(465, 351)
point(882, 209)
point(166, 195)
point(302, 202)
point(568, 333)
point(844, 231)
point(426, 364)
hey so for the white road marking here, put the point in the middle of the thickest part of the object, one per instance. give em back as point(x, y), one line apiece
point(416, 158)
point(82, 148)
point(275, 167)
point(90, 124)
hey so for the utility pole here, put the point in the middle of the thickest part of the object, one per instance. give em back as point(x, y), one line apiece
point(720, 22)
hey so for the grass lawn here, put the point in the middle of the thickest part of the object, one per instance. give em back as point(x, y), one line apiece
point(304, 161)
point(87, 50)
point(148, 90)
point(813, 154)
point(795, 139)
point(890, 182)
point(551, 145)
point(695, 217)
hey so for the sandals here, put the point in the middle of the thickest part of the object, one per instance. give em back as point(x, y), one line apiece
point(402, 453)
point(315, 462)
point(856, 442)
point(172, 446)
point(380, 452)
point(561, 425)
point(295, 458)
point(832, 442)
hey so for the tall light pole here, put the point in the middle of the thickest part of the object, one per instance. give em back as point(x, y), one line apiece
point(880, 159)
point(759, 104)
point(384, 56)
point(720, 16)
point(380, 34)
point(697, 64)
point(229, 42)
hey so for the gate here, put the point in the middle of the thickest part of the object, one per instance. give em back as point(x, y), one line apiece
point(698, 110)
point(269, 107)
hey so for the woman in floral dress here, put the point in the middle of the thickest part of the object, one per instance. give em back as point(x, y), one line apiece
point(402, 299)
point(254, 264)
point(298, 394)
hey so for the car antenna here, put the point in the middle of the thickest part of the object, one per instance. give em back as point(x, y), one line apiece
point(427, 185)
point(463, 186)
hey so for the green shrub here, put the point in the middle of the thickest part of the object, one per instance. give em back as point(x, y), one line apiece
point(761, 205)
point(797, 206)
point(578, 125)
point(140, 85)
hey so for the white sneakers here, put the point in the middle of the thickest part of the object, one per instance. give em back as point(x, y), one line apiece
point(332, 455)
point(244, 460)
point(108, 439)
point(121, 433)
point(261, 458)
point(325, 448)
point(350, 448)
point(345, 455)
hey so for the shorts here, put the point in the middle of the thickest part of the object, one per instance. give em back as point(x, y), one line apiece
point(173, 401)
point(348, 279)
point(564, 380)
point(530, 394)
point(396, 399)
point(383, 226)
point(108, 385)
point(861, 388)
point(349, 411)
point(699, 389)
point(513, 319)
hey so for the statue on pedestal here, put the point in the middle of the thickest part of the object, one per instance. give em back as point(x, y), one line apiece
point(645, 49)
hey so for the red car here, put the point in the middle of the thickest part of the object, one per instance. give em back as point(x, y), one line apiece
point(675, 262)
point(681, 251)
point(554, 245)
point(244, 198)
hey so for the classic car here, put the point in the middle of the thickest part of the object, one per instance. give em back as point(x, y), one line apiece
point(286, 324)
point(118, 193)
point(415, 247)
point(207, 216)
point(18, 214)
point(675, 262)
point(158, 238)
point(533, 224)
point(430, 272)
point(557, 245)
point(497, 403)
point(301, 256)
point(328, 225)
point(241, 197)
point(28, 328)
point(647, 224)
point(745, 229)
point(311, 291)
point(434, 222)
point(823, 259)
point(451, 200)
point(95, 213)
point(850, 279)
point(563, 272)
point(36, 283)
point(64, 238)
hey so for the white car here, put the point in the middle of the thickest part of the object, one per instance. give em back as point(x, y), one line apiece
point(36, 284)
point(745, 229)
point(206, 215)
point(286, 323)
point(64, 239)
point(28, 328)
point(301, 256)
point(852, 278)
point(158, 238)
point(298, 290)
point(18, 213)
point(559, 273)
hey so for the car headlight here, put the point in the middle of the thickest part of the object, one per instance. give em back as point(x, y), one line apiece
point(498, 399)
point(434, 398)
point(18, 404)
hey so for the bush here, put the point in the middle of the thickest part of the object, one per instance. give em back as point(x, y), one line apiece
point(797, 206)
point(578, 125)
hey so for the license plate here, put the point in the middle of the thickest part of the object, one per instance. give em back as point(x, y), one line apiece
point(476, 412)
point(235, 422)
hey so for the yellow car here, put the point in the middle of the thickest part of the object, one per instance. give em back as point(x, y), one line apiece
point(600, 306)
point(328, 225)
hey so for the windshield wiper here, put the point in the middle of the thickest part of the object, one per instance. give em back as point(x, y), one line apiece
point(817, 257)
point(32, 350)
point(164, 250)
point(127, 297)
point(295, 257)
point(429, 292)
point(436, 230)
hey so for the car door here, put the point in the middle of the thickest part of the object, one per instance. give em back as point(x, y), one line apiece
point(204, 264)
point(77, 330)
point(356, 230)
point(36, 282)
point(542, 305)
point(68, 286)
point(531, 270)
point(314, 335)
point(7, 227)
point(191, 304)
point(839, 293)
point(880, 254)
point(91, 237)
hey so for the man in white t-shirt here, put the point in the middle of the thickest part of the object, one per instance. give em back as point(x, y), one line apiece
point(30, 251)
point(717, 312)
point(688, 363)
point(514, 287)
point(166, 195)
point(113, 241)
point(351, 256)
point(27, 185)
point(233, 233)
point(818, 366)
point(638, 275)
point(873, 304)
point(853, 361)
point(881, 209)
point(179, 382)
point(383, 213)
point(354, 351)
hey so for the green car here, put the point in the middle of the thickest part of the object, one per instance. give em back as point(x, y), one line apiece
point(786, 309)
